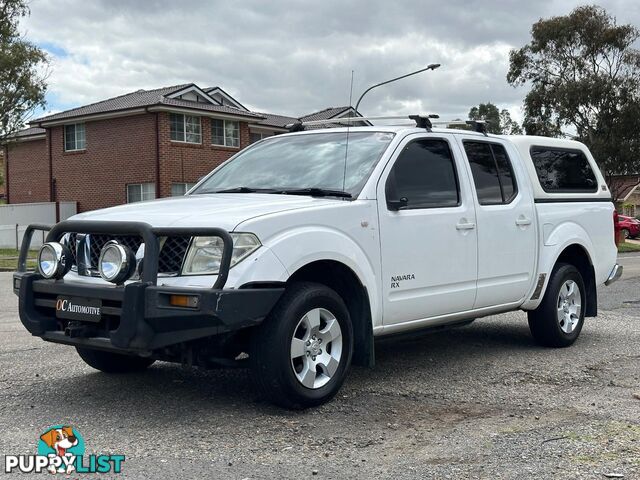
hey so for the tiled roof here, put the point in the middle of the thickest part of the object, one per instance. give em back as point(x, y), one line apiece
point(140, 99)
point(325, 114)
point(177, 102)
point(272, 120)
point(28, 132)
point(621, 186)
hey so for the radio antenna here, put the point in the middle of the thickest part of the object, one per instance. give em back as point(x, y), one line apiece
point(346, 147)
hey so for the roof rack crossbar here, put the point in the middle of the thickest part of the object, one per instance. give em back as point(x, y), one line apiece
point(328, 121)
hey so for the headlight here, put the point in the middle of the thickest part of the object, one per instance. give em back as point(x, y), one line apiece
point(54, 260)
point(117, 262)
point(205, 253)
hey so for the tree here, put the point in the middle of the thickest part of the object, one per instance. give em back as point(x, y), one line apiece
point(509, 126)
point(22, 70)
point(584, 78)
point(498, 121)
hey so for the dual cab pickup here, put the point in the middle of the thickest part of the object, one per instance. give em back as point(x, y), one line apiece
point(304, 247)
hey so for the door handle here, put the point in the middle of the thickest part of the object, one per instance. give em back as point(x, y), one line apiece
point(523, 221)
point(465, 226)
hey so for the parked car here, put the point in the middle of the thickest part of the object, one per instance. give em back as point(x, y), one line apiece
point(629, 226)
point(303, 248)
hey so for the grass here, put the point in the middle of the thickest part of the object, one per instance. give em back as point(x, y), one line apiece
point(9, 259)
point(628, 247)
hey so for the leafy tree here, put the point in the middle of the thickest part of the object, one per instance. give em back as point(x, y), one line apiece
point(498, 121)
point(584, 78)
point(509, 126)
point(22, 69)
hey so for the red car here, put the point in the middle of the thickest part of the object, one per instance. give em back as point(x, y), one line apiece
point(629, 226)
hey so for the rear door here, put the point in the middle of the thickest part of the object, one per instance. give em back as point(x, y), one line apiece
point(506, 222)
point(428, 237)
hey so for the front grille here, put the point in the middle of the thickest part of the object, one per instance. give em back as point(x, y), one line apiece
point(172, 251)
point(172, 254)
point(73, 247)
point(96, 242)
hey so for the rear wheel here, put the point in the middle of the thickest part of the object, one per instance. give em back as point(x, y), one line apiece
point(109, 362)
point(558, 320)
point(301, 354)
point(625, 233)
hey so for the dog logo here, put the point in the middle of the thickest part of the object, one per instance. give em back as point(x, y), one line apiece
point(63, 442)
point(61, 450)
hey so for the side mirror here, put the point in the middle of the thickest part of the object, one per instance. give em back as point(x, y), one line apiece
point(399, 204)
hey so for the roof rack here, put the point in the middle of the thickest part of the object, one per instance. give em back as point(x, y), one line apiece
point(479, 126)
point(422, 121)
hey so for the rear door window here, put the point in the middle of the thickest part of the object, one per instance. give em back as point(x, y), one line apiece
point(563, 170)
point(492, 172)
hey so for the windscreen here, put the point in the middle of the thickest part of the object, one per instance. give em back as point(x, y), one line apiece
point(317, 160)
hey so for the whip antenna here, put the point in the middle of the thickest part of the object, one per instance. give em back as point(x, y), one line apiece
point(346, 147)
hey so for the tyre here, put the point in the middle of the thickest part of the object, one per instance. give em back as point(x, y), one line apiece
point(625, 233)
point(113, 362)
point(301, 353)
point(558, 320)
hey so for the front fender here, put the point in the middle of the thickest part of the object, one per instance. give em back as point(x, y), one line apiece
point(298, 247)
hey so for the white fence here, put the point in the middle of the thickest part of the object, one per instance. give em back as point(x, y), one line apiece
point(15, 218)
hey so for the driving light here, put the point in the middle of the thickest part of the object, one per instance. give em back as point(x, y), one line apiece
point(117, 262)
point(205, 253)
point(54, 260)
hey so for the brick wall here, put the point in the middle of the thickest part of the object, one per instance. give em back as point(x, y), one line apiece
point(27, 171)
point(118, 151)
point(186, 163)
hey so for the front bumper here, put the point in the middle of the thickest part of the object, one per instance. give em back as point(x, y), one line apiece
point(137, 318)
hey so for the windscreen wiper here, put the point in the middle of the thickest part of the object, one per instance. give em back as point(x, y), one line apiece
point(241, 190)
point(316, 192)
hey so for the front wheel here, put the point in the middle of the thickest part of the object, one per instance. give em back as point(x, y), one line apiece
point(113, 362)
point(301, 354)
point(558, 320)
point(625, 233)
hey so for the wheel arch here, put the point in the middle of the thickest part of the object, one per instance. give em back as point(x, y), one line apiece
point(344, 281)
point(577, 254)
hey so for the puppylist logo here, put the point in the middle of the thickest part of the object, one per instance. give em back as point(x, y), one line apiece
point(61, 450)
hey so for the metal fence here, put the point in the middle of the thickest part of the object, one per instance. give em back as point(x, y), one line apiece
point(15, 218)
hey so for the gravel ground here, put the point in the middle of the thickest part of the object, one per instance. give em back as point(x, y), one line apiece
point(480, 401)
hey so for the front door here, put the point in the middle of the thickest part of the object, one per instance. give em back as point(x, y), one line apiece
point(427, 232)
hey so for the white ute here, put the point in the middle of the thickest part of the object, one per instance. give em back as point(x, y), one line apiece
point(339, 235)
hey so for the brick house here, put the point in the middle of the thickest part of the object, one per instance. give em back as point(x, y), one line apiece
point(626, 193)
point(138, 146)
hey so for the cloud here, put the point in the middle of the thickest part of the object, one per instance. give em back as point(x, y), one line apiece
point(294, 57)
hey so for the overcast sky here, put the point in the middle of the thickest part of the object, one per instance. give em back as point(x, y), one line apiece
point(294, 57)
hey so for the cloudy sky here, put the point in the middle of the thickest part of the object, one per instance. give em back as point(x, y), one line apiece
point(294, 57)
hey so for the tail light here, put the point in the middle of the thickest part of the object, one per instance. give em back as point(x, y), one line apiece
point(616, 228)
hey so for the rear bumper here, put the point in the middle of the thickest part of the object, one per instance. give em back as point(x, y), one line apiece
point(616, 273)
point(137, 317)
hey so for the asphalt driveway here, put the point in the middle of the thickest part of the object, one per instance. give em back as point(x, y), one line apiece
point(482, 401)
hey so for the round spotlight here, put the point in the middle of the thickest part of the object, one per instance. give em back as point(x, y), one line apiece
point(117, 262)
point(54, 260)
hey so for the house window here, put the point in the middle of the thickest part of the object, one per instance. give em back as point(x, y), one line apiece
point(179, 189)
point(225, 133)
point(74, 137)
point(185, 128)
point(256, 136)
point(629, 210)
point(138, 192)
